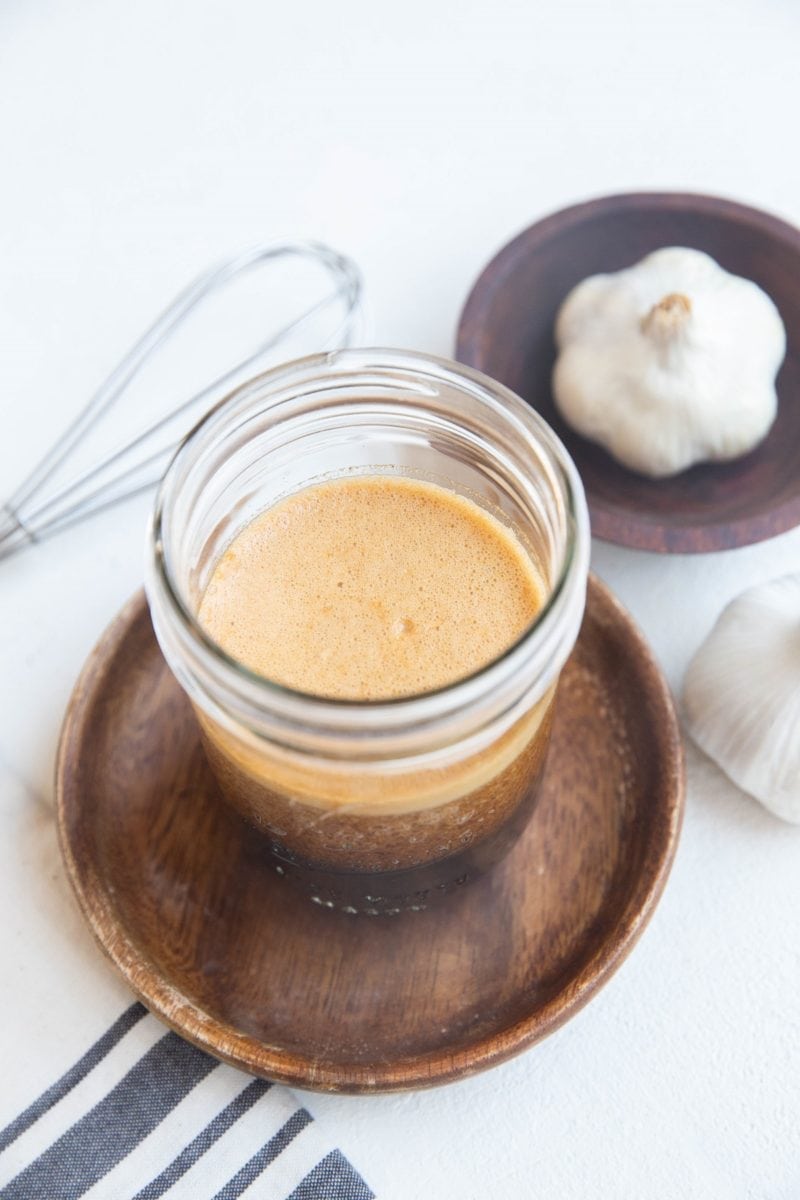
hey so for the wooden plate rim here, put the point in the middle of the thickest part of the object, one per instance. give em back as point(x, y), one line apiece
point(271, 1062)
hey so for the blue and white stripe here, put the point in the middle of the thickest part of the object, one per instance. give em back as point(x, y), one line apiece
point(143, 1114)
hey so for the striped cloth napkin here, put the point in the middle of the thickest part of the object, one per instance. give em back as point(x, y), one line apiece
point(97, 1097)
point(143, 1114)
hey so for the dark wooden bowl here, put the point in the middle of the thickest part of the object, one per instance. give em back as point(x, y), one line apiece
point(179, 896)
point(506, 330)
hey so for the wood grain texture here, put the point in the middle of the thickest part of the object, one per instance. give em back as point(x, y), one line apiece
point(506, 330)
point(177, 892)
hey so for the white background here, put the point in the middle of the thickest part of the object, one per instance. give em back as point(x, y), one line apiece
point(141, 141)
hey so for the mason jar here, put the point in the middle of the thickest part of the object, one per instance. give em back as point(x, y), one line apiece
point(372, 807)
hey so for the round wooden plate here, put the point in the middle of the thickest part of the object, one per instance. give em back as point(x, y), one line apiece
point(214, 942)
point(506, 330)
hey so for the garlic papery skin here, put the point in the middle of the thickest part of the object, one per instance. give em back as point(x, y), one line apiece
point(670, 362)
point(741, 694)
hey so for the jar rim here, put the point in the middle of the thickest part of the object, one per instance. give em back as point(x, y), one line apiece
point(355, 362)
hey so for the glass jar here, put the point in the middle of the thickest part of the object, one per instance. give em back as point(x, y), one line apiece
point(372, 807)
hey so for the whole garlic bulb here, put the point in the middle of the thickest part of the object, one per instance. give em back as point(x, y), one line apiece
point(741, 694)
point(670, 362)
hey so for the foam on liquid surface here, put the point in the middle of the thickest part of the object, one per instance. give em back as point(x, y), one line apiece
point(369, 588)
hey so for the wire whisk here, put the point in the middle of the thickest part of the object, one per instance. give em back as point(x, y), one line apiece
point(38, 509)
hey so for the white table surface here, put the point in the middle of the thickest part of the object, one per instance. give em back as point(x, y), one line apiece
point(141, 141)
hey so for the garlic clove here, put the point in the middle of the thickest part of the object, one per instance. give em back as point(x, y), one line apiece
point(741, 694)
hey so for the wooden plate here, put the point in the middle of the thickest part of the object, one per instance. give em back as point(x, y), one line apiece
point(506, 330)
point(227, 954)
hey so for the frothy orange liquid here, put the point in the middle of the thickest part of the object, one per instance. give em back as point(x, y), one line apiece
point(371, 588)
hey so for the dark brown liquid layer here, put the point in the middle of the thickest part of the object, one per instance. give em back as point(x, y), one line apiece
point(382, 864)
point(386, 893)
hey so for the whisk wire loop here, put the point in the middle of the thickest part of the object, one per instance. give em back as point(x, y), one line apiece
point(30, 515)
